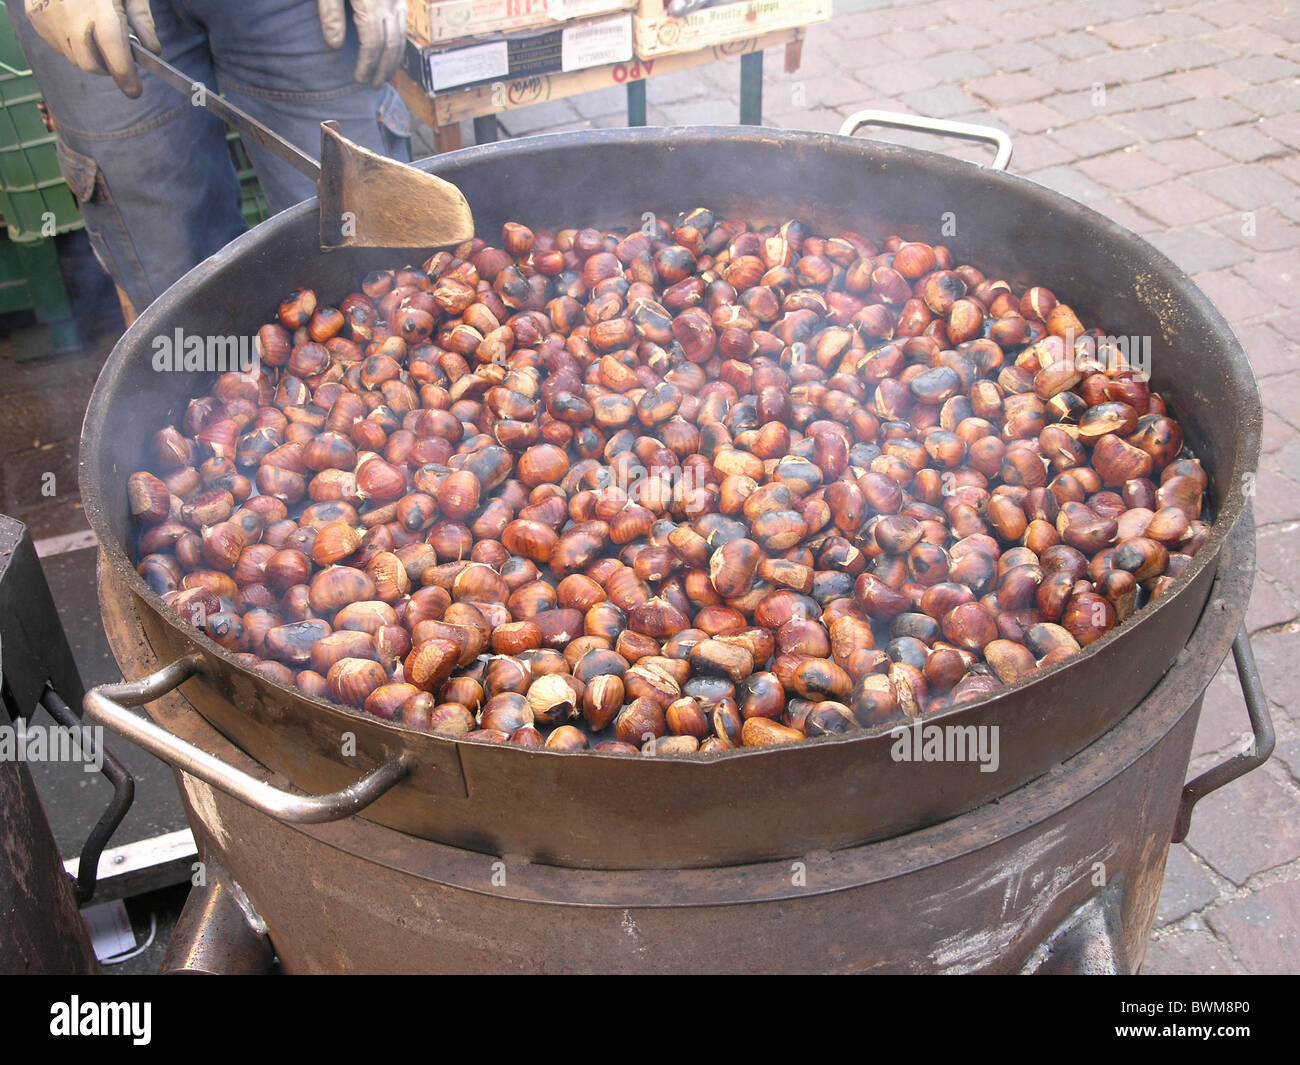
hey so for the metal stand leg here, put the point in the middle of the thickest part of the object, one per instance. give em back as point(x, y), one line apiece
point(485, 129)
point(751, 89)
point(636, 103)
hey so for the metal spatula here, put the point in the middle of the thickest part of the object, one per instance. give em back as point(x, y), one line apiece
point(366, 200)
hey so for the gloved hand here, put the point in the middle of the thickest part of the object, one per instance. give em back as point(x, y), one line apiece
point(381, 25)
point(91, 34)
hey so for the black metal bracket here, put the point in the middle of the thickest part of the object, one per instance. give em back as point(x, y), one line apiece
point(1261, 724)
point(123, 795)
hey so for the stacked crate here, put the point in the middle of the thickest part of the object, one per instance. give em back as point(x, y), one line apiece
point(35, 202)
point(459, 43)
point(656, 32)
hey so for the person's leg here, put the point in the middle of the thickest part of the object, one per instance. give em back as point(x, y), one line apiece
point(272, 60)
point(153, 176)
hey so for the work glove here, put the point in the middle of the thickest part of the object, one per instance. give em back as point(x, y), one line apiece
point(92, 35)
point(381, 26)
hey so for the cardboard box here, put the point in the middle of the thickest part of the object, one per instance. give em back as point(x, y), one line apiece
point(573, 46)
point(437, 21)
point(448, 108)
point(659, 34)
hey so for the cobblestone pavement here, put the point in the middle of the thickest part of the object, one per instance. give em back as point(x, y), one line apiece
point(1180, 121)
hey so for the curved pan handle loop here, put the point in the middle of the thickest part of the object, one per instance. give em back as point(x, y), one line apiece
point(1261, 724)
point(107, 705)
point(942, 127)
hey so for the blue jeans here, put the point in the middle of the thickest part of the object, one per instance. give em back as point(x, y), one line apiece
point(154, 175)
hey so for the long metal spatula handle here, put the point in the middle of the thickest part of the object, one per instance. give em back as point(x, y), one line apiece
point(201, 96)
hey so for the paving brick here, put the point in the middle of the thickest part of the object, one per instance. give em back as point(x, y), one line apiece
point(1038, 153)
point(1249, 186)
point(1187, 156)
point(1244, 143)
point(1130, 33)
point(1278, 496)
point(1124, 171)
point(702, 112)
point(1288, 753)
point(1275, 654)
point(1263, 931)
point(1100, 136)
point(1015, 56)
point(1003, 89)
point(1193, 953)
point(1287, 463)
point(1281, 396)
point(913, 16)
point(1069, 16)
point(1276, 275)
point(1237, 300)
point(1277, 434)
point(853, 23)
point(1270, 353)
point(1194, 249)
point(1126, 215)
point(1291, 209)
point(1288, 28)
point(1231, 14)
point(1211, 112)
point(1076, 45)
point(1270, 604)
point(1179, 24)
point(1258, 69)
point(1246, 827)
point(538, 117)
point(1029, 118)
point(1207, 82)
point(611, 101)
point(959, 67)
point(1080, 106)
point(1019, 26)
point(1272, 230)
point(1187, 55)
point(1068, 182)
point(1176, 204)
point(1157, 125)
point(828, 92)
point(1269, 99)
point(1157, 92)
point(960, 38)
point(1288, 166)
point(944, 101)
point(1075, 75)
point(682, 86)
point(909, 43)
point(1132, 65)
point(899, 78)
point(1223, 725)
point(1111, 10)
point(1187, 887)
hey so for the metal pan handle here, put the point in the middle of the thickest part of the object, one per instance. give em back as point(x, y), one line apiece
point(107, 704)
point(967, 131)
point(1261, 724)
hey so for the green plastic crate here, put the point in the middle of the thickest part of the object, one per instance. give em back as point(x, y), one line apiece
point(30, 279)
point(32, 190)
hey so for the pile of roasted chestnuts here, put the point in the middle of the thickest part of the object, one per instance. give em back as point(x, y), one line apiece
point(679, 489)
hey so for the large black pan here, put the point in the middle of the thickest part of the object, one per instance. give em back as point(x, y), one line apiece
point(615, 812)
